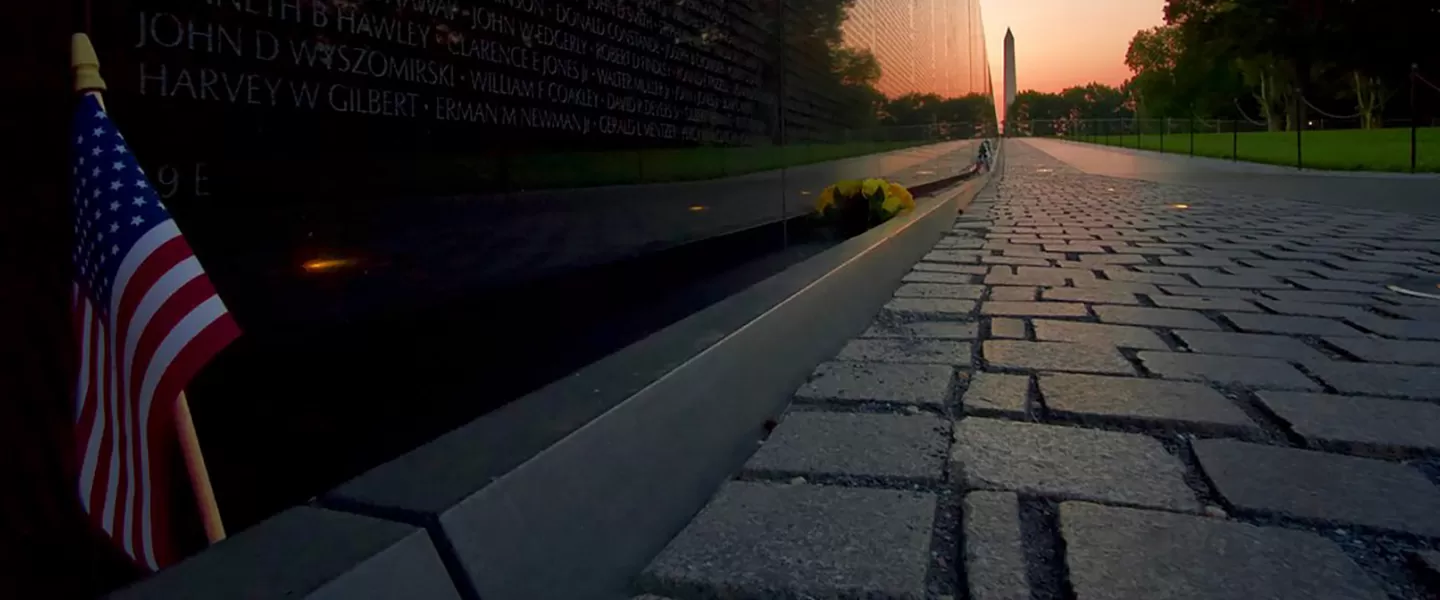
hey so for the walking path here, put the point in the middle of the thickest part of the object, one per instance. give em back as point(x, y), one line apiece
point(1108, 388)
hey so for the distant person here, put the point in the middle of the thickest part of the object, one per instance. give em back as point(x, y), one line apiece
point(985, 155)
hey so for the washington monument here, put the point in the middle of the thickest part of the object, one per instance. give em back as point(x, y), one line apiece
point(1009, 72)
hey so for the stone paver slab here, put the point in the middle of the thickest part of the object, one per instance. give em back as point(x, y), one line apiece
point(1069, 462)
point(940, 290)
point(906, 350)
point(1144, 401)
point(1007, 328)
point(996, 393)
point(994, 550)
point(1374, 424)
point(934, 277)
point(1398, 328)
point(1127, 554)
point(877, 382)
point(856, 445)
point(931, 307)
point(950, 268)
point(1389, 351)
point(1013, 294)
point(1203, 303)
point(1055, 356)
point(1379, 379)
point(1034, 309)
point(1258, 323)
point(1154, 317)
point(1321, 487)
point(1313, 309)
point(786, 541)
point(1095, 295)
point(1210, 292)
point(1228, 370)
point(1096, 334)
point(953, 256)
point(943, 330)
point(1249, 344)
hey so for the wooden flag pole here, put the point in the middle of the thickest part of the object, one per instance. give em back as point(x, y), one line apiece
point(86, 66)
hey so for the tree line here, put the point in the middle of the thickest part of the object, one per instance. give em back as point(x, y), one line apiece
point(1270, 61)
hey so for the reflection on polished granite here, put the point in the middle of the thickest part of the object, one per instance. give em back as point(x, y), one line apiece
point(411, 251)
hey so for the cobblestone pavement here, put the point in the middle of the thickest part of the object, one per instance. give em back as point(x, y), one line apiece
point(1088, 390)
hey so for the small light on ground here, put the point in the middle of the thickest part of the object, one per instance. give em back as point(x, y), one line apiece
point(1180, 206)
point(322, 265)
point(698, 208)
point(804, 192)
point(924, 172)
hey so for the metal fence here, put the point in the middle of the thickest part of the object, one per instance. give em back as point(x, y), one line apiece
point(1400, 145)
point(1319, 139)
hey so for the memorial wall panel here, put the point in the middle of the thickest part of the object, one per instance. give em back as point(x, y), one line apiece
point(332, 160)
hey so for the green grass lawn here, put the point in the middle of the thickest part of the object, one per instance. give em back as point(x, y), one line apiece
point(1336, 149)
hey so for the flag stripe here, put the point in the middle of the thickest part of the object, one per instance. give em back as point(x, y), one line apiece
point(92, 414)
point(146, 319)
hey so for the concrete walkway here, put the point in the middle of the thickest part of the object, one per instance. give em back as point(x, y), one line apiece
point(1089, 391)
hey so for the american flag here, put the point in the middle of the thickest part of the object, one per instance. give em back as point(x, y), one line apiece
point(146, 319)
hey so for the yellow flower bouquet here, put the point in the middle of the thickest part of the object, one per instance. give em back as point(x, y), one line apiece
point(855, 205)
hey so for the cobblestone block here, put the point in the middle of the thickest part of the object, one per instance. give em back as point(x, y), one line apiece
point(902, 350)
point(877, 382)
point(1321, 487)
point(1372, 424)
point(1324, 297)
point(1265, 373)
point(1379, 379)
point(1197, 261)
point(1068, 462)
point(1203, 303)
point(1055, 356)
point(1089, 261)
point(1419, 313)
point(1249, 344)
point(1034, 309)
point(1389, 351)
point(940, 290)
point(1127, 554)
point(1291, 325)
point(1143, 250)
point(1211, 292)
point(1077, 248)
point(934, 308)
point(1250, 282)
point(945, 330)
point(1095, 334)
point(955, 242)
point(1114, 274)
point(1332, 285)
point(1010, 259)
point(757, 540)
point(1144, 401)
point(1328, 273)
point(1298, 255)
point(1097, 295)
point(994, 549)
point(950, 268)
point(1007, 328)
point(934, 277)
point(997, 394)
point(1398, 328)
point(963, 257)
point(1154, 317)
point(1116, 286)
point(1313, 309)
point(910, 447)
point(1375, 267)
point(1013, 294)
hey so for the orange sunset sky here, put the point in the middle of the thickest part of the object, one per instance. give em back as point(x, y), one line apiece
point(1060, 43)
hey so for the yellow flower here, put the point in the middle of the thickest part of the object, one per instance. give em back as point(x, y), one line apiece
point(907, 201)
point(826, 201)
point(848, 187)
point(871, 186)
